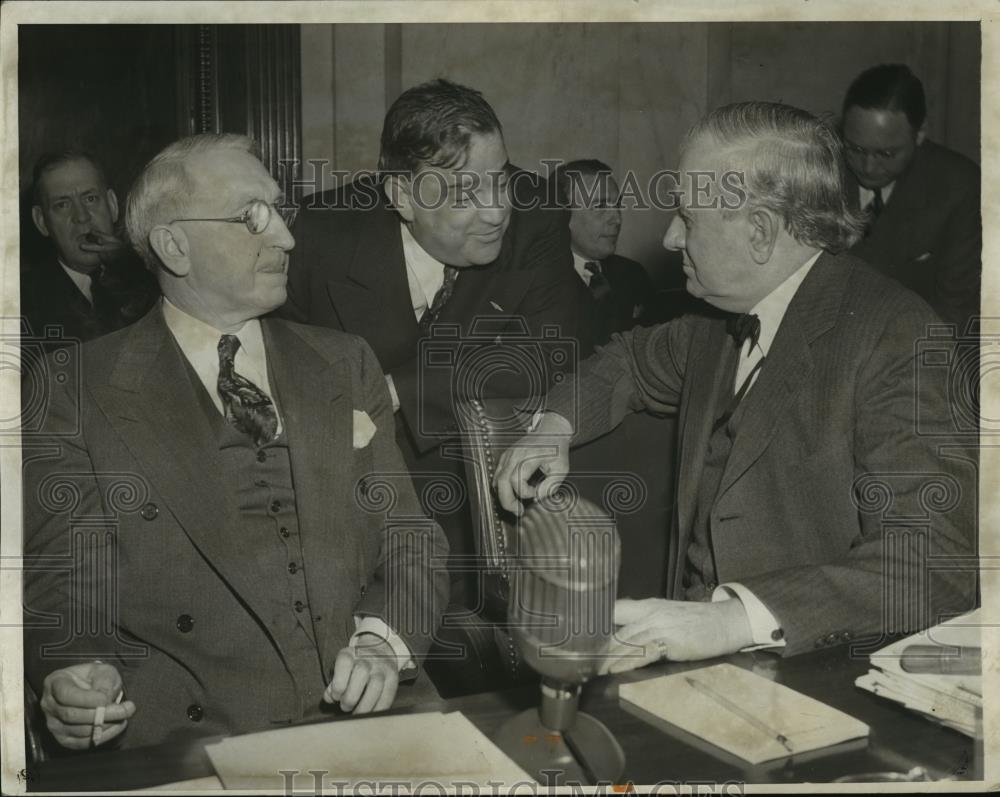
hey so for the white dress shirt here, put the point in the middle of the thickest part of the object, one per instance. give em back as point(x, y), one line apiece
point(866, 195)
point(199, 342)
point(81, 280)
point(580, 264)
point(770, 310)
point(424, 274)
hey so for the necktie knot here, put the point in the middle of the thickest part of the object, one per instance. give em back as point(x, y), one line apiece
point(599, 286)
point(228, 346)
point(743, 326)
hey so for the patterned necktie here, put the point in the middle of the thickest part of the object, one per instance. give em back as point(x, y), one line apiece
point(599, 286)
point(440, 299)
point(247, 407)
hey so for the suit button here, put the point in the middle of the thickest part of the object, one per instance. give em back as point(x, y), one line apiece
point(195, 712)
point(293, 568)
point(711, 585)
point(364, 589)
point(283, 531)
point(299, 606)
point(149, 511)
point(185, 623)
point(777, 634)
point(262, 456)
point(260, 483)
point(276, 506)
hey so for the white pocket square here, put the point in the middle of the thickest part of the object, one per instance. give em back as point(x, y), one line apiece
point(364, 429)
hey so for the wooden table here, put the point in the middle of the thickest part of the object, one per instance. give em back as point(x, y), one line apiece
point(899, 740)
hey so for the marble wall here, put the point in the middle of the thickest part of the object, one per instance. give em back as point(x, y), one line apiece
point(624, 93)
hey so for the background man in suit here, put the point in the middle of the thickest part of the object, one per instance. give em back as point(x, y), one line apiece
point(615, 293)
point(784, 418)
point(449, 237)
point(251, 574)
point(925, 228)
point(90, 284)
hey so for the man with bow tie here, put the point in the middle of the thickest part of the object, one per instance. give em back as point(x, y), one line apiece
point(206, 491)
point(811, 436)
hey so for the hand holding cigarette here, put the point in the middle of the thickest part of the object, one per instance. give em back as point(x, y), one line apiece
point(84, 706)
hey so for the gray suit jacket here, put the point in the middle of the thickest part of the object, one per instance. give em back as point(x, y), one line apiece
point(124, 497)
point(847, 494)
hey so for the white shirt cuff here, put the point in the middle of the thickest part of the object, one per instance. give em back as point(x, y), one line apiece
point(392, 392)
point(378, 626)
point(764, 627)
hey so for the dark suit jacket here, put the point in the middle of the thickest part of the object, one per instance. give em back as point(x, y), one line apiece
point(49, 298)
point(347, 272)
point(627, 305)
point(128, 444)
point(828, 458)
point(929, 234)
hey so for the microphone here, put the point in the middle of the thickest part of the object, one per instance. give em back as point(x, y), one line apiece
point(561, 616)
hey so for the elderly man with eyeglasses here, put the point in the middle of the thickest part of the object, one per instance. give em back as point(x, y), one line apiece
point(203, 485)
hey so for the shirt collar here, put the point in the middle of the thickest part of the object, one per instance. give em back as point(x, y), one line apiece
point(200, 341)
point(866, 195)
point(580, 264)
point(771, 309)
point(82, 281)
point(424, 270)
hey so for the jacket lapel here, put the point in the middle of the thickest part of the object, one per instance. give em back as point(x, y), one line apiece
point(316, 411)
point(789, 364)
point(152, 403)
point(375, 284)
point(711, 363)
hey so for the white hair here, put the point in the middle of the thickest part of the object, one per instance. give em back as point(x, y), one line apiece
point(162, 191)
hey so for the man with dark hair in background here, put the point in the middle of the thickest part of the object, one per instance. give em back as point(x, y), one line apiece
point(91, 284)
point(923, 199)
point(449, 236)
point(615, 293)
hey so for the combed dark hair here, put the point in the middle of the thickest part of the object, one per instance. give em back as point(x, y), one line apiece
point(566, 175)
point(52, 159)
point(890, 87)
point(791, 163)
point(430, 125)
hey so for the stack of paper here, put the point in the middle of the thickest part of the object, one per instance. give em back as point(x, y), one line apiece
point(445, 750)
point(742, 713)
point(935, 673)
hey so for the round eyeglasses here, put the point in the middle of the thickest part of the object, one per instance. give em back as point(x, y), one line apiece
point(257, 216)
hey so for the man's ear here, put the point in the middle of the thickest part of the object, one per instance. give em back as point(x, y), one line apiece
point(764, 228)
point(922, 133)
point(172, 247)
point(39, 218)
point(113, 204)
point(397, 191)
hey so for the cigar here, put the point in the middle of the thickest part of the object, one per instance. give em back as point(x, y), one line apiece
point(934, 660)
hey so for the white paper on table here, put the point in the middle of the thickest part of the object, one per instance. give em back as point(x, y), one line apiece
point(408, 749)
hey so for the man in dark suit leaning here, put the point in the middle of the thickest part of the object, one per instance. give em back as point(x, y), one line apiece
point(925, 228)
point(449, 249)
point(806, 430)
point(91, 284)
point(614, 292)
point(242, 571)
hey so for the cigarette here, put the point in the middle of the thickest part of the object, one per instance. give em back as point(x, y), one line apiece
point(98, 731)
